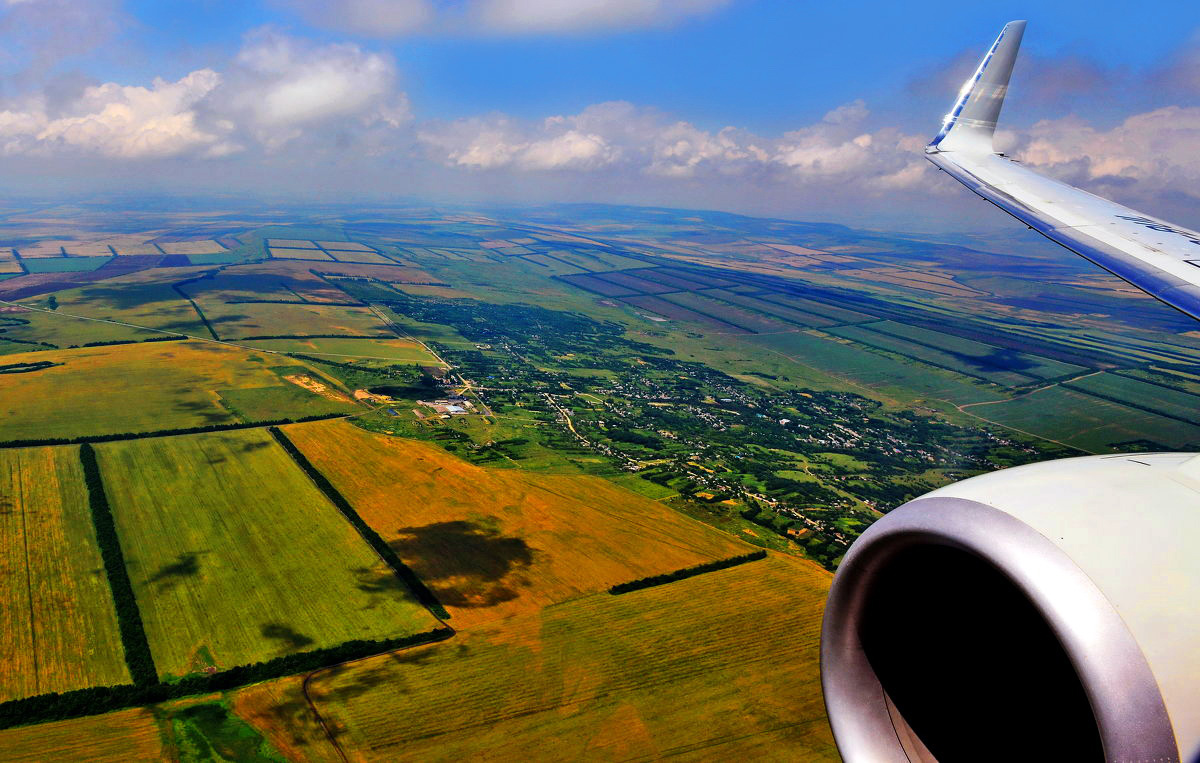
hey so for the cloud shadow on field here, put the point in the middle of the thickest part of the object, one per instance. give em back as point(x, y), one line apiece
point(288, 638)
point(464, 563)
point(186, 565)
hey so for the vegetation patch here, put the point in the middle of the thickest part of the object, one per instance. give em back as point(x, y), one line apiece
point(685, 573)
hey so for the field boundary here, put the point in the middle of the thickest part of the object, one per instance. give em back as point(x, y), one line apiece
point(97, 700)
point(420, 591)
point(83, 439)
point(136, 646)
point(686, 572)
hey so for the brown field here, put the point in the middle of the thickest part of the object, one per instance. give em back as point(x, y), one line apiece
point(278, 711)
point(10, 266)
point(495, 542)
point(722, 666)
point(121, 736)
point(43, 249)
point(345, 246)
point(125, 250)
point(299, 254)
point(7, 255)
point(370, 258)
point(204, 246)
point(291, 242)
point(82, 249)
point(58, 631)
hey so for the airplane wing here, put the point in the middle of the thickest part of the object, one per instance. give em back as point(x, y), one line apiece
point(1156, 256)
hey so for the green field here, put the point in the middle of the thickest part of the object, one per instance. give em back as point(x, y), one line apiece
point(1024, 362)
point(63, 264)
point(958, 363)
point(58, 631)
point(790, 314)
point(1087, 422)
point(399, 350)
point(722, 666)
point(1138, 394)
point(832, 312)
point(136, 388)
point(873, 371)
point(235, 556)
point(723, 311)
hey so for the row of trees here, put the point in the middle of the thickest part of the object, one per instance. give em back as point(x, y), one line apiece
point(686, 572)
point(103, 699)
point(129, 617)
point(401, 570)
point(27, 443)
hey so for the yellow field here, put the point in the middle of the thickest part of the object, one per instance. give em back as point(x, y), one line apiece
point(493, 542)
point(133, 388)
point(144, 298)
point(118, 737)
point(10, 266)
point(299, 254)
point(58, 631)
point(236, 557)
point(722, 666)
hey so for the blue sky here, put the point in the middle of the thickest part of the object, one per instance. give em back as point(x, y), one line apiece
point(776, 106)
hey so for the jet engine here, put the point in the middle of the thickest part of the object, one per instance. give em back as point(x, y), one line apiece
point(1044, 612)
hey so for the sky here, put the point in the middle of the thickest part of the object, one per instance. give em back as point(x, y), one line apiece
point(789, 108)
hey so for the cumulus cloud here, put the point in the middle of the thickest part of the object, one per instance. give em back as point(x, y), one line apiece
point(277, 90)
point(621, 137)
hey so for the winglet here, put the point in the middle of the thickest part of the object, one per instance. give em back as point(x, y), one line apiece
point(970, 124)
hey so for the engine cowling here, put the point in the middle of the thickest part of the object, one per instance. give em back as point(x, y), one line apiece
point(1049, 611)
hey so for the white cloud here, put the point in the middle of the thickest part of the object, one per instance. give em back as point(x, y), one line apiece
point(370, 18)
point(120, 121)
point(535, 16)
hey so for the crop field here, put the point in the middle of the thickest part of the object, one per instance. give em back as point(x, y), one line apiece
point(64, 264)
point(130, 388)
point(143, 299)
point(367, 257)
point(344, 246)
point(279, 712)
point(861, 367)
point(401, 350)
point(238, 321)
point(291, 242)
point(659, 276)
point(832, 312)
point(203, 246)
point(981, 367)
point(637, 284)
point(782, 312)
point(112, 738)
point(1024, 362)
point(299, 254)
point(59, 629)
point(10, 266)
point(684, 669)
point(494, 542)
point(599, 286)
point(727, 313)
point(1088, 422)
point(679, 313)
point(236, 557)
point(1138, 394)
point(270, 403)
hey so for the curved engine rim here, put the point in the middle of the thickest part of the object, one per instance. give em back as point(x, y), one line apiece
point(1123, 693)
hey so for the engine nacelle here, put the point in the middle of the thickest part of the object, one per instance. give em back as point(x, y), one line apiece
point(1049, 611)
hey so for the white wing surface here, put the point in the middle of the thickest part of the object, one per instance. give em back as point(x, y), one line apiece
point(1156, 256)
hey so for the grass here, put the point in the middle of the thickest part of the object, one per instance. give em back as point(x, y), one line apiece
point(1172, 403)
point(398, 350)
point(60, 329)
point(59, 630)
point(268, 403)
point(1087, 422)
point(979, 366)
point(495, 542)
point(118, 737)
point(143, 299)
point(63, 264)
point(245, 320)
point(1025, 363)
point(235, 556)
point(132, 388)
point(719, 666)
point(723, 311)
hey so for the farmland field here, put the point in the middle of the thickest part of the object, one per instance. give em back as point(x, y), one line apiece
point(723, 311)
point(493, 542)
point(833, 312)
point(237, 321)
point(235, 556)
point(113, 738)
point(400, 350)
point(58, 630)
point(1088, 422)
point(367, 257)
point(299, 254)
point(685, 669)
point(679, 313)
point(780, 311)
point(982, 367)
point(1139, 394)
point(130, 388)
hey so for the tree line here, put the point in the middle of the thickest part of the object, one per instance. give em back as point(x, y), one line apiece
point(418, 588)
point(129, 617)
point(32, 442)
point(686, 572)
point(317, 336)
point(102, 699)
